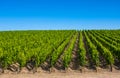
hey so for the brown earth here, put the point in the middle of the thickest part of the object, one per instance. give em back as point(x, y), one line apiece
point(70, 74)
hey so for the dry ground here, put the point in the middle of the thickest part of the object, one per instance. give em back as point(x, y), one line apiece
point(63, 75)
point(69, 74)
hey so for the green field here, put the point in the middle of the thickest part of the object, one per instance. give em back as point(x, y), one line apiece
point(59, 48)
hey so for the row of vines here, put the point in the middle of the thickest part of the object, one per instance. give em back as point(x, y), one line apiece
point(39, 46)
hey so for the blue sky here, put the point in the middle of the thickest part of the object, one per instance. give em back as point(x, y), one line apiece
point(59, 14)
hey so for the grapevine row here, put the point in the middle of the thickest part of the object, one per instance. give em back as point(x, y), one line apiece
point(93, 51)
point(104, 51)
point(82, 51)
point(114, 50)
point(68, 53)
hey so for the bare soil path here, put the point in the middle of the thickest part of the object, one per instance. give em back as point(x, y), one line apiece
point(64, 75)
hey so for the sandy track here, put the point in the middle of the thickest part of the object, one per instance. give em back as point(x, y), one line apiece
point(64, 75)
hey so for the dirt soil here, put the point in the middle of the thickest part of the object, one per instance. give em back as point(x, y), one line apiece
point(63, 75)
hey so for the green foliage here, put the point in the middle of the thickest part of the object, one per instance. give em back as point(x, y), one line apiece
point(68, 53)
point(104, 51)
point(82, 51)
point(38, 46)
point(55, 55)
point(93, 51)
point(24, 46)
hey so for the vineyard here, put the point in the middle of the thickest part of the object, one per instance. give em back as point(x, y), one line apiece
point(60, 50)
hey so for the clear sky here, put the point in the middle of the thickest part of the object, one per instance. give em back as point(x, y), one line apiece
point(59, 14)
